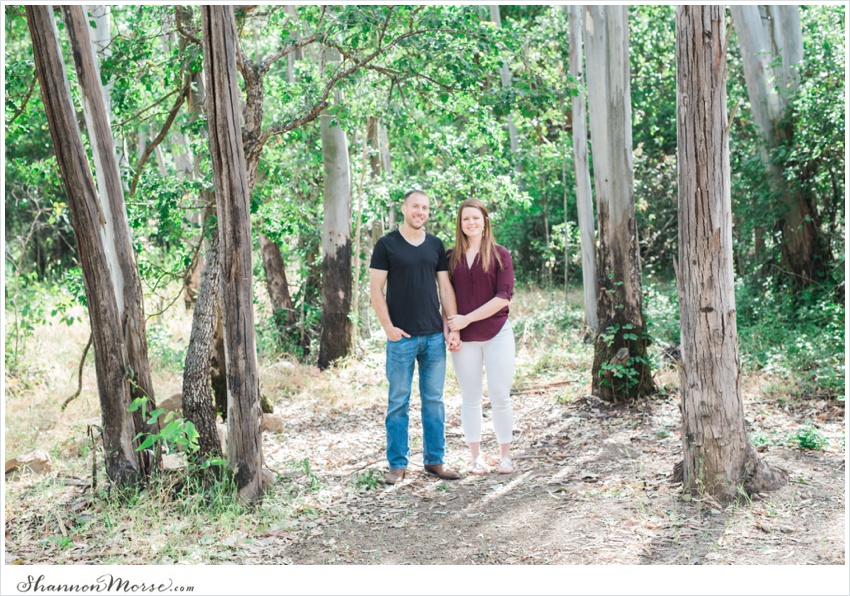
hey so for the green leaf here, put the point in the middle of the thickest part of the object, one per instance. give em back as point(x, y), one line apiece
point(154, 415)
point(150, 440)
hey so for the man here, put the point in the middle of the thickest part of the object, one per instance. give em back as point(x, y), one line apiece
point(407, 260)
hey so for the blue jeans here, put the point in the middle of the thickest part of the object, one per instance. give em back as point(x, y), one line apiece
point(430, 352)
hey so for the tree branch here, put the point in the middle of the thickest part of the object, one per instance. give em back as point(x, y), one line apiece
point(266, 64)
point(182, 30)
point(20, 110)
point(79, 375)
point(386, 24)
point(139, 113)
point(168, 122)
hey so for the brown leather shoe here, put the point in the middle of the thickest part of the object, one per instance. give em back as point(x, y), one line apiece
point(394, 475)
point(442, 471)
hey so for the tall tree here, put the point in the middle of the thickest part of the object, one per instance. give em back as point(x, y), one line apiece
point(276, 284)
point(771, 40)
point(232, 192)
point(584, 196)
point(621, 369)
point(113, 295)
point(717, 457)
point(336, 242)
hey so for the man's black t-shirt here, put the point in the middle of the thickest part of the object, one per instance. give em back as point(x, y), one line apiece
point(411, 281)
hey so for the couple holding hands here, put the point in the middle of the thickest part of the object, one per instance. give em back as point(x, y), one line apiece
point(476, 282)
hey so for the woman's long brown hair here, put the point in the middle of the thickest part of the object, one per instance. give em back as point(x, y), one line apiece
point(488, 250)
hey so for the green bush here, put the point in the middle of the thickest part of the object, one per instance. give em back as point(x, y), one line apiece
point(809, 438)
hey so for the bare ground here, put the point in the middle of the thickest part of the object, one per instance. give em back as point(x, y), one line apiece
point(592, 484)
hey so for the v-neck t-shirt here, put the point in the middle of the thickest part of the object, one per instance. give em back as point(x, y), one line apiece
point(475, 288)
point(412, 281)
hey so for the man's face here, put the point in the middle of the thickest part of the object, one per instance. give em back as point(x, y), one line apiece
point(416, 209)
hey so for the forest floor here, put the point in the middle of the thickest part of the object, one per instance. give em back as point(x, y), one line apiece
point(592, 484)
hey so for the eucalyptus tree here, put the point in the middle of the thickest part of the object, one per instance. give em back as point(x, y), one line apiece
point(717, 456)
point(336, 338)
point(113, 291)
point(234, 225)
point(621, 369)
point(771, 41)
point(584, 196)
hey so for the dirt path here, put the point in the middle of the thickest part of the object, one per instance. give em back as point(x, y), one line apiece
point(592, 487)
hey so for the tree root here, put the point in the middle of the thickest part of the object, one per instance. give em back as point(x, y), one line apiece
point(760, 477)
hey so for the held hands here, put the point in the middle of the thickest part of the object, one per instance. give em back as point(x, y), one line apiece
point(453, 341)
point(458, 322)
point(395, 334)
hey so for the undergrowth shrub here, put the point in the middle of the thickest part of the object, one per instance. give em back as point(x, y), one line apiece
point(796, 335)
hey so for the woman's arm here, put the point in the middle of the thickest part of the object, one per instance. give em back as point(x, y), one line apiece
point(488, 309)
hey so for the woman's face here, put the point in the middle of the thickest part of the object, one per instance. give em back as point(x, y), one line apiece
point(472, 222)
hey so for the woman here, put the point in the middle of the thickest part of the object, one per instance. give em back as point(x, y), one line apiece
point(483, 278)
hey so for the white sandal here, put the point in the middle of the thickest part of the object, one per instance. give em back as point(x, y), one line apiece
point(506, 466)
point(479, 466)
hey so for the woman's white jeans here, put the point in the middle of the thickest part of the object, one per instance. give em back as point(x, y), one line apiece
point(497, 355)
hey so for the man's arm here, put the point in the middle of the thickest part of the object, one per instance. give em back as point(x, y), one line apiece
point(449, 303)
point(377, 281)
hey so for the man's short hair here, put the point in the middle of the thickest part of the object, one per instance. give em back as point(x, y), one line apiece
point(415, 191)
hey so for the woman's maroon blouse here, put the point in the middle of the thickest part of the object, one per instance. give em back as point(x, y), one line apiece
point(474, 288)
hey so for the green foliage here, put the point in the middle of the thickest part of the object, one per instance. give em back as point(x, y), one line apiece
point(797, 336)
point(175, 434)
point(439, 94)
point(624, 376)
point(26, 306)
point(811, 156)
point(809, 438)
point(368, 480)
point(164, 351)
point(661, 311)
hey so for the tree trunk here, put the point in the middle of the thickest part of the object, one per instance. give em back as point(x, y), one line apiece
point(278, 288)
point(94, 226)
point(767, 34)
point(336, 245)
point(387, 165)
point(124, 271)
point(206, 202)
point(717, 457)
point(620, 366)
point(358, 244)
point(584, 197)
point(197, 393)
point(373, 126)
point(234, 223)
